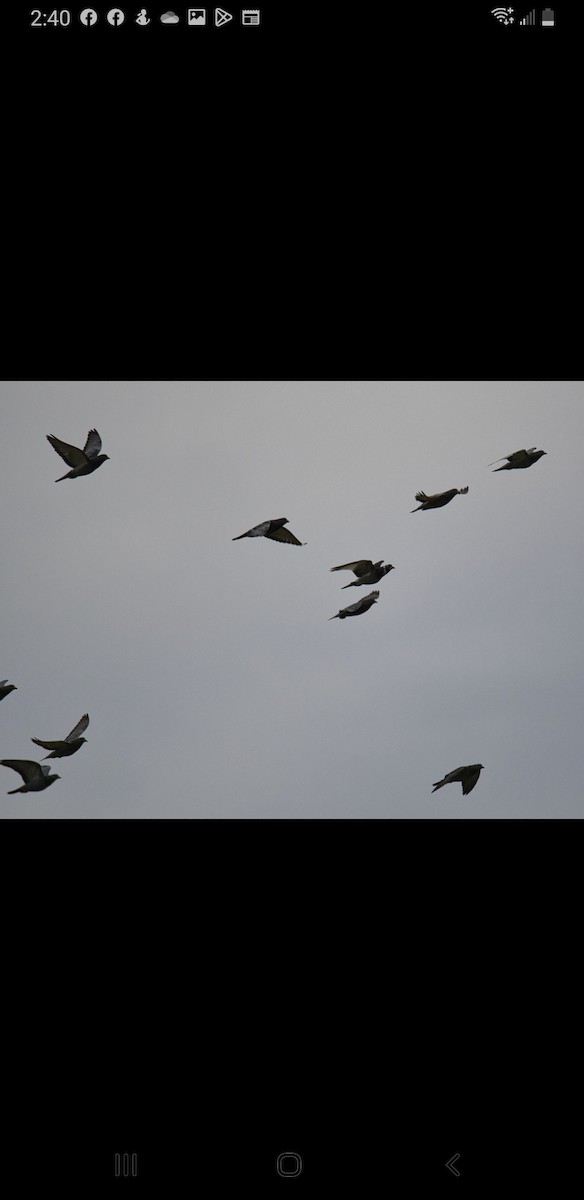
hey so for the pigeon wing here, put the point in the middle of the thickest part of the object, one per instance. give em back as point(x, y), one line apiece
point(70, 454)
point(46, 745)
point(284, 535)
point(92, 446)
point(360, 567)
point(255, 531)
point(80, 728)
point(352, 608)
point(452, 777)
point(515, 457)
point(365, 602)
point(29, 770)
point(469, 781)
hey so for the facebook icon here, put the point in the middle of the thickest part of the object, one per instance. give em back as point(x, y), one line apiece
point(88, 16)
point(115, 16)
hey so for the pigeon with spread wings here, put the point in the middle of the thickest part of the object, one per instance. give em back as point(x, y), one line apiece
point(467, 776)
point(272, 529)
point(82, 462)
point(365, 570)
point(6, 688)
point(36, 775)
point(360, 606)
point(70, 745)
point(439, 499)
point(519, 460)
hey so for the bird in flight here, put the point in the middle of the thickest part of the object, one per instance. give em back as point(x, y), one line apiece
point(70, 744)
point(360, 606)
point(439, 499)
point(366, 572)
point(519, 460)
point(82, 462)
point(467, 776)
point(6, 688)
point(36, 776)
point(272, 529)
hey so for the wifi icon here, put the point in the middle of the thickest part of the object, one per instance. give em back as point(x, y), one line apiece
point(503, 15)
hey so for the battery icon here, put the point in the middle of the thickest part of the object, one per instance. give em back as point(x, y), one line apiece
point(547, 17)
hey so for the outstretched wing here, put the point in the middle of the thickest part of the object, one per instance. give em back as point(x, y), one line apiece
point(469, 781)
point(71, 455)
point(421, 496)
point(92, 446)
point(360, 567)
point(30, 771)
point(80, 728)
point(284, 535)
point(363, 604)
point(515, 457)
point(46, 745)
point(255, 531)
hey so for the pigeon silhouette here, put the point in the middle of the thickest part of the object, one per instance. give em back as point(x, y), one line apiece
point(365, 570)
point(467, 776)
point(70, 745)
point(272, 529)
point(82, 462)
point(36, 776)
point(360, 606)
point(440, 499)
point(519, 460)
point(6, 688)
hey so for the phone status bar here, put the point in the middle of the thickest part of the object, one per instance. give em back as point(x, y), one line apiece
point(143, 18)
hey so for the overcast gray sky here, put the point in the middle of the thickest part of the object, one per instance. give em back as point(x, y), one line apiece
point(215, 684)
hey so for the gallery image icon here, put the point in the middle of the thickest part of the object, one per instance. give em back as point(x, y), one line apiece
point(250, 16)
point(196, 16)
point(88, 17)
point(222, 17)
point(116, 17)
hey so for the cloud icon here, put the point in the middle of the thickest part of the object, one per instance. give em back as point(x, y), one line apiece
point(170, 18)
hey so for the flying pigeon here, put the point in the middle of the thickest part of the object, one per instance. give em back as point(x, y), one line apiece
point(70, 744)
point(360, 606)
point(365, 570)
point(439, 499)
point(519, 459)
point(467, 776)
point(5, 690)
point(272, 529)
point(82, 462)
point(36, 776)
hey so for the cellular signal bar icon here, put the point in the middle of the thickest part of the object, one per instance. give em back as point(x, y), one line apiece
point(530, 19)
